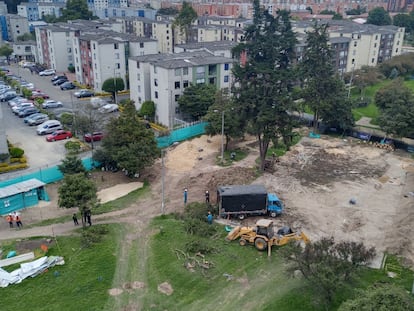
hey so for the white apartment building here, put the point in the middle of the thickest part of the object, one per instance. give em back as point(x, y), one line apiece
point(162, 31)
point(16, 26)
point(369, 45)
point(217, 48)
point(162, 78)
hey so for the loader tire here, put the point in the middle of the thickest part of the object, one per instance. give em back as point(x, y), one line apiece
point(242, 242)
point(260, 244)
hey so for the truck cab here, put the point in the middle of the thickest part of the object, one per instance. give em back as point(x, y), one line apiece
point(274, 205)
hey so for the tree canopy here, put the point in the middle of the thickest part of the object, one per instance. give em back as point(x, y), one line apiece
point(71, 165)
point(76, 9)
point(396, 104)
point(196, 100)
point(113, 85)
point(148, 110)
point(326, 265)
point(379, 16)
point(323, 92)
point(6, 50)
point(128, 144)
point(380, 297)
point(263, 84)
point(223, 107)
point(77, 191)
point(185, 18)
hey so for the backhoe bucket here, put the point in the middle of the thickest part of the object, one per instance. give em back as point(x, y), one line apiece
point(233, 234)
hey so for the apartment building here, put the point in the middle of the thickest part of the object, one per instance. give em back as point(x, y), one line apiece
point(13, 26)
point(368, 45)
point(35, 11)
point(55, 46)
point(3, 8)
point(25, 50)
point(162, 78)
point(105, 4)
point(217, 48)
point(162, 31)
point(101, 56)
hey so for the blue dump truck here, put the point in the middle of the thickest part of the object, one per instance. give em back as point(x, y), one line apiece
point(247, 200)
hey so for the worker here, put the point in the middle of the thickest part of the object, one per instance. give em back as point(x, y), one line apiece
point(185, 195)
point(207, 197)
point(75, 219)
point(9, 219)
point(18, 221)
point(209, 218)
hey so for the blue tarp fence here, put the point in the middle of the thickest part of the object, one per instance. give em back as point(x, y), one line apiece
point(52, 174)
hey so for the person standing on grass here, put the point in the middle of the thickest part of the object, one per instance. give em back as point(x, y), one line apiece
point(75, 219)
point(88, 217)
point(9, 219)
point(210, 218)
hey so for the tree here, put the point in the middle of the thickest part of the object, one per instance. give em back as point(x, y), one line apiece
point(71, 165)
point(113, 85)
point(323, 91)
point(168, 11)
point(128, 144)
point(327, 266)
point(381, 297)
point(396, 104)
point(148, 110)
point(378, 16)
point(185, 18)
point(77, 191)
point(76, 9)
point(196, 100)
point(232, 122)
point(264, 83)
point(26, 37)
point(403, 20)
point(6, 50)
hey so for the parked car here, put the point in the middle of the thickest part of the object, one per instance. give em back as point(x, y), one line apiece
point(49, 127)
point(57, 77)
point(39, 95)
point(17, 100)
point(35, 68)
point(26, 119)
point(60, 81)
point(109, 108)
point(95, 136)
point(84, 93)
point(21, 106)
point(52, 104)
point(27, 85)
point(27, 112)
point(59, 135)
point(67, 86)
point(8, 95)
point(47, 72)
point(38, 119)
point(4, 69)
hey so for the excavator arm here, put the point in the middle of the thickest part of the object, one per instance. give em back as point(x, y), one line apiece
point(237, 232)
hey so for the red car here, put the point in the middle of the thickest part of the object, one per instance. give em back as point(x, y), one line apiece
point(95, 136)
point(39, 95)
point(59, 135)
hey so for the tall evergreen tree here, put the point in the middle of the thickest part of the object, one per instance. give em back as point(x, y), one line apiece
point(263, 83)
point(323, 92)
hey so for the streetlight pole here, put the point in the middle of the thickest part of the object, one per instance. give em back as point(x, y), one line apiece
point(162, 182)
point(115, 99)
point(222, 136)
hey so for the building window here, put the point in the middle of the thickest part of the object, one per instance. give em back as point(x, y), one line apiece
point(141, 45)
point(116, 46)
point(155, 69)
point(177, 72)
point(93, 45)
point(118, 66)
point(355, 44)
point(116, 55)
point(138, 77)
point(396, 50)
point(139, 88)
point(176, 97)
point(156, 94)
point(177, 85)
point(372, 60)
point(226, 67)
point(137, 64)
point(226, 78)
point(185, 71)
point(156, 82)
point(185, 83)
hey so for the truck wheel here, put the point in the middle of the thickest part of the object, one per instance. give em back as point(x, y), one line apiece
point(242, 242)
point(260, 244)
point(273, 214)
point(241, 216)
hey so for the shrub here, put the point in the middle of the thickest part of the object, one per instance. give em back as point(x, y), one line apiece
point(200, 246)
point(4, 164)
point(13, 167)
point(16, 152)
point(18, 160)
point(93, 235)
point(26, 92)
point(73, 146)
point(4, 157)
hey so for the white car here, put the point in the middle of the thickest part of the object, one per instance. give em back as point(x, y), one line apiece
point(47, 72)
point(109, 108)
point(52, 104)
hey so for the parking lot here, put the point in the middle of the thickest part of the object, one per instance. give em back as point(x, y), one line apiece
point(38, 151)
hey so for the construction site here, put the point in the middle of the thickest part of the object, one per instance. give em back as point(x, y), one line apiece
point(336, 187)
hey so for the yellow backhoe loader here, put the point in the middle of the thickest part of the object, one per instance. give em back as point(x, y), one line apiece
point(263, 236)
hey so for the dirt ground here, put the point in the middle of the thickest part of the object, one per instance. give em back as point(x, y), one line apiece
point(316, 181)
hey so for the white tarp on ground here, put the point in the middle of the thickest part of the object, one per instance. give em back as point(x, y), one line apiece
point(31, 269)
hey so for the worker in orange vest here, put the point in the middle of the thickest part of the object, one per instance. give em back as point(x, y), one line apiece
point(18, 221)
point(9, 219)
